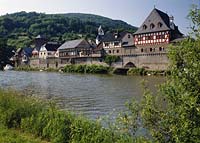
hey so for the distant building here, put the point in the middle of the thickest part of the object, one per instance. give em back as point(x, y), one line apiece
point(152, 40)
point(116, 43)
point(48, 50)
point(146, 48)
point(74, 49)
point(100, 35)
point(22, 56)
point(38, 42)
point(156, 32)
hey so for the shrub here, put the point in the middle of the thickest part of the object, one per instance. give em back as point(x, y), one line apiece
point(98, 69)
point(109, 59)
point(137, 71)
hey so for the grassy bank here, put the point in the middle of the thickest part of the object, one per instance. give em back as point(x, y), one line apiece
point(43, 120)
point(17, 136)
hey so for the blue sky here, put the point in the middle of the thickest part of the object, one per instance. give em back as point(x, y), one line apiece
point(133, 12)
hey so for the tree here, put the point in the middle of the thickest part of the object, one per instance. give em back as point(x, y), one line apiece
point(2, 52)
point(173, 115)
point(5, 53)
point(109, 59)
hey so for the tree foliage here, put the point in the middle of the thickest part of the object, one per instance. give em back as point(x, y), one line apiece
point(21, 28)
point(109, 59)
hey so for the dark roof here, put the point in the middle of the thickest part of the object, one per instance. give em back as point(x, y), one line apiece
point(51, 46)
point(110, 37)
point(155, 17)
point(28, 51)
point(75, 44)
point(25, 51)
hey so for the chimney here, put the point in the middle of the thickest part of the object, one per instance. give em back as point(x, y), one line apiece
point(171, 22)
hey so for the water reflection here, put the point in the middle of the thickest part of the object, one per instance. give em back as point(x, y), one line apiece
point(91, 95)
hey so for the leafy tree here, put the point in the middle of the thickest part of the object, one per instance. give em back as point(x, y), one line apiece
point(2, 53)
point(172, 115)
point(109, 59)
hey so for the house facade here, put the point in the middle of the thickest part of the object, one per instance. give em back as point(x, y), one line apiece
point(70, 51)
point(156, 32)
point(38, 42)
point(153, 38)
point(22, 56)
point(48, 50)
point(115, 44)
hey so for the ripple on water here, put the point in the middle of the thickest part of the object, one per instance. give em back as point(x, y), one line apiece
point(91, 95)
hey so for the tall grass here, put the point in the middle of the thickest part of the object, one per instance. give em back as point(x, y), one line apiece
point(46, 121)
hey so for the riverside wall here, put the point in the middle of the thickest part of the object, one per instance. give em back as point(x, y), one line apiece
point(149, 61)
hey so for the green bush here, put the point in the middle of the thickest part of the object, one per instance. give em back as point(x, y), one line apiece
point(98, 69)
point(137, 71)
point(109, 59)
point(26, 68)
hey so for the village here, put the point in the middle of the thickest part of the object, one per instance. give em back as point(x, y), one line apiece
point(146, 48)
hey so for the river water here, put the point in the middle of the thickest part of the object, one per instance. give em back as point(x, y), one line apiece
point(90, 95)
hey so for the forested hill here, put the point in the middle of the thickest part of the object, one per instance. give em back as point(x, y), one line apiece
point(21, 28)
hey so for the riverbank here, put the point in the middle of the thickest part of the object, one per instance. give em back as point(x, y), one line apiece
point(97, 69)
point(44, 120)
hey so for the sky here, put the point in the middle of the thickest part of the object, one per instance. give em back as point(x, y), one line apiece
point(133, 12)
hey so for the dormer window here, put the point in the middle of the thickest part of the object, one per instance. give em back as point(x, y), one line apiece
point(159, 24)
point(144, 27)
point(152, 25)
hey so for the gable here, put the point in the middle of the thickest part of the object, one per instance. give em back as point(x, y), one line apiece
point(156, 21)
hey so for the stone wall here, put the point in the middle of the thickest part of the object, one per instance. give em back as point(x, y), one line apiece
point(155, 61)
point(149, 61)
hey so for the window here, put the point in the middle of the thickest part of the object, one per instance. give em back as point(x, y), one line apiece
point(109, 51)
point(159, 24)
point(106, 44)
point(142, 50)
point(152, 25)
point(144, 27)
point(160, 48)
point(116, 43)
point(117, 51)
point(151, 49)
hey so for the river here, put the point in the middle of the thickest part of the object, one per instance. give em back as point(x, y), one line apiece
point(90, 95)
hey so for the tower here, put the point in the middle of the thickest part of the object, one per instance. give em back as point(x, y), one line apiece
point(100, 35)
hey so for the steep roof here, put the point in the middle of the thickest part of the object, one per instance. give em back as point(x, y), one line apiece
point(75, 44)
point(28, 51)
point(51, 46)
point(110, 37)
point(155, 17)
